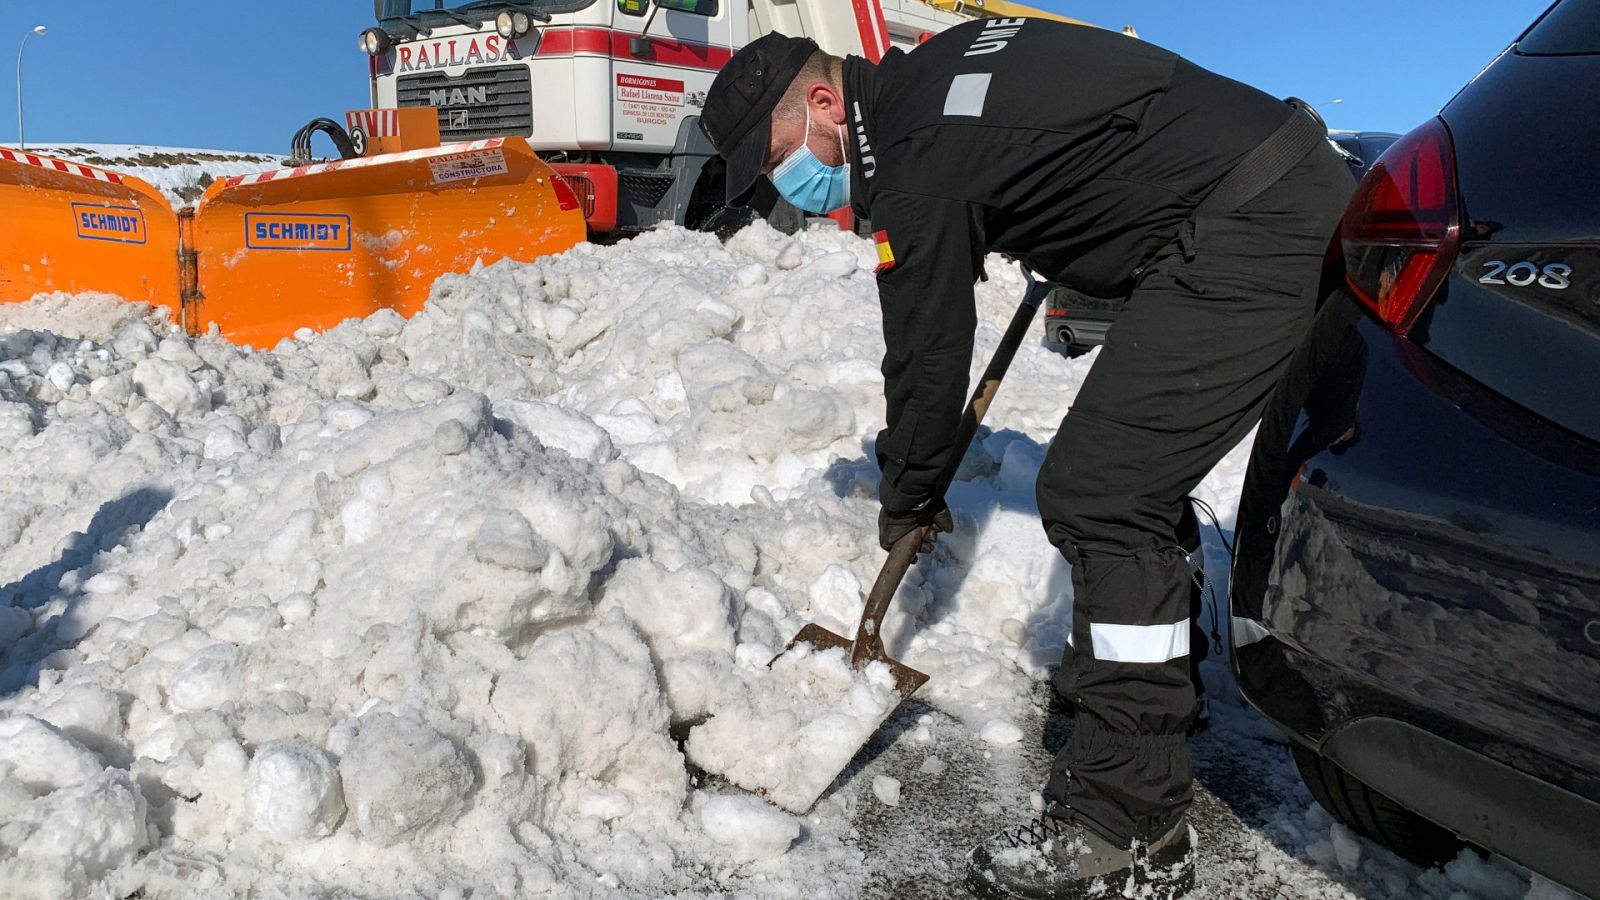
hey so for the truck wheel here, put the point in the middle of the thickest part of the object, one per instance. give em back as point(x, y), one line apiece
point(724, 221)
point(1372, 815)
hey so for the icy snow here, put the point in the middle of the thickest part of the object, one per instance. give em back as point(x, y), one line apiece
point(294, 791)
point(417, 608)
point(748, 828)
point(886, 789)
point(1000, 733)
point(400, 777)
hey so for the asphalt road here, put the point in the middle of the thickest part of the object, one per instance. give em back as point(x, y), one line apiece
point(1250, 809)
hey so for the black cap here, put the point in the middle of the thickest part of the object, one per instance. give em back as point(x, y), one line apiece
point(738, 113)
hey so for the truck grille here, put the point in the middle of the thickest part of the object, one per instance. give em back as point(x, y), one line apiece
point(489, 102)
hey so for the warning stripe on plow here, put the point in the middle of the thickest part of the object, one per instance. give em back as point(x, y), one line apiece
point(313, 246)
point(70, 227)
point(59, 165)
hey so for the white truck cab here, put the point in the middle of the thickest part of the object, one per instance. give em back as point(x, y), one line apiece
point(609, 91)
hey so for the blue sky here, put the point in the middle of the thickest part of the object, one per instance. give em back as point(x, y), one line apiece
point(245, 75)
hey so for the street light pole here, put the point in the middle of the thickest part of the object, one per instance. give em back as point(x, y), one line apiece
point(22, 140)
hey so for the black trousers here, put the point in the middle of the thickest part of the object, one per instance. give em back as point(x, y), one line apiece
point(1183, 376)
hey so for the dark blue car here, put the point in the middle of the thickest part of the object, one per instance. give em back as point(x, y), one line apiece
point(1416, 597)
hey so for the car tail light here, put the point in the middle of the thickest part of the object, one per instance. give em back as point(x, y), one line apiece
point(1402, 231)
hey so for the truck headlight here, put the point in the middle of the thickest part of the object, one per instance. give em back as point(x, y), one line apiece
point(375, 41)
point(512, 24)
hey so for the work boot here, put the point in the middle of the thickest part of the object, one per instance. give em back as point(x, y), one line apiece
point(1054, 857)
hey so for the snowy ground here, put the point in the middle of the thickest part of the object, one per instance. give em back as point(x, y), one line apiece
point(425, 608)
point(180, 173)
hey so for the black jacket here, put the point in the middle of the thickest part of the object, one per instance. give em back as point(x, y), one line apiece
point(1077, 150)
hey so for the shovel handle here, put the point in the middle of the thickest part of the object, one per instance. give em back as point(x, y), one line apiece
point(869, 634)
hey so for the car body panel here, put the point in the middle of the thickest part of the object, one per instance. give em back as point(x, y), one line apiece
point(1414, 547)
point(1523, 131)
point(1529, 342)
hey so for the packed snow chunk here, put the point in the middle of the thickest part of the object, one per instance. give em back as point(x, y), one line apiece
point(748, 828)
point(586, 702)
point(571, 433)
point(504, 577)
point(209, 679)
point(886, 789)
point(1346, 847)
point(90, 714)
point(74, 837)
point(401, 778)
point(793, 728)
point(294, 791)
point(1000, 733)
point(836, 599)
point(675, 611)
point(505, 539)
point(169, 386)
point(42, 757)
point(687, 619)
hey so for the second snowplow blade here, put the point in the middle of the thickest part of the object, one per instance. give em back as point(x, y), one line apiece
point(311, 247)
point(69, 227)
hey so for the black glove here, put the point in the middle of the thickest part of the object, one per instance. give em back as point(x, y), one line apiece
point(892, 526)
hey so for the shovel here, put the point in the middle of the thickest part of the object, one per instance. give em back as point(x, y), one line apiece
point(868, 644)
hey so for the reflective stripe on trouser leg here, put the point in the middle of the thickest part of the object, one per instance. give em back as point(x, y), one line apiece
point(1148, 644)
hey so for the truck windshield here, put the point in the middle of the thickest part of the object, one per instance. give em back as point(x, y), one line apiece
point(481, 10)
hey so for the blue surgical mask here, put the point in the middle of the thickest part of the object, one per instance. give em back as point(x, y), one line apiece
point(810, 184)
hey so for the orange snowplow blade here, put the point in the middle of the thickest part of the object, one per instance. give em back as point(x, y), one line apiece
point(311, 247)
point(70, 227)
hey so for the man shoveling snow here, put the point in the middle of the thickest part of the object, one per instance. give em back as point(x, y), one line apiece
point(1117, 168)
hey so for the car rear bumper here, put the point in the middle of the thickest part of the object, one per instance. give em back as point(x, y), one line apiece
point(1081, 330)
point(1417, 592)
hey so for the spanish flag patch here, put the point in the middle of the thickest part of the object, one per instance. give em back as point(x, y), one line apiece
point(885, 252)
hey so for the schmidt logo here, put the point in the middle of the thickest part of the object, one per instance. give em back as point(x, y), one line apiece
point(296, 231)
point(121, 224)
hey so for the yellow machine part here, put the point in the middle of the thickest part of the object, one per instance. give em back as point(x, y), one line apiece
point(311, 247)
point(999, 9)
point(70, 227)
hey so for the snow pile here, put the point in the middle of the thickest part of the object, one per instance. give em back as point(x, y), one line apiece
point(415, 608)
point(413, 605)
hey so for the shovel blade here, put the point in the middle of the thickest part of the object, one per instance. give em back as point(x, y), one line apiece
point(906, 679)
point(789, 739)
point(824, 764)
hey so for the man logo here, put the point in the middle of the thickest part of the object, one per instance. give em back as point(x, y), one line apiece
point(458, 120)
point(118, 224)
point(303, 231)
point(472, 96)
